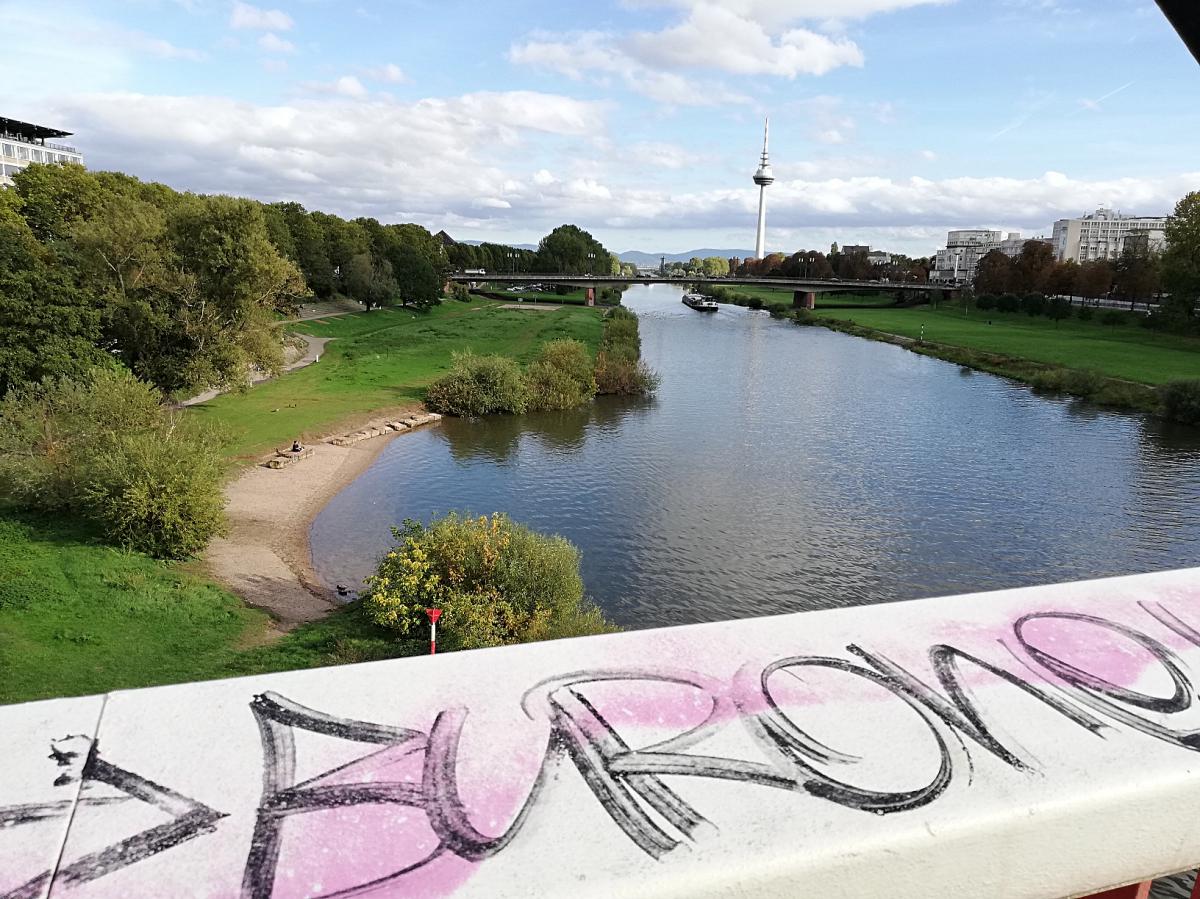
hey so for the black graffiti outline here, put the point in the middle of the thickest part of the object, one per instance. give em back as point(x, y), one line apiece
point(189, 819)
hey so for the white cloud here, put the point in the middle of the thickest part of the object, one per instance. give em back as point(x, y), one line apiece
point(246, 16)
point(600, 56)
point(389, 73)
point(718, 37)
point(775, 13)
point(928, 155)
point(273, 43)
point(349, 86)
point(659, 154)
point(466, 161)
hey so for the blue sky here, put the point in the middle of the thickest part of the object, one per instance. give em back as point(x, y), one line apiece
point(640, 120)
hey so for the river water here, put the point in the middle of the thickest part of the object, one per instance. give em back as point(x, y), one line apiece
point(782, 468)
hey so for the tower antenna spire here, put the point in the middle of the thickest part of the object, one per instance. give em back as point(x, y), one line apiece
point(763, 178)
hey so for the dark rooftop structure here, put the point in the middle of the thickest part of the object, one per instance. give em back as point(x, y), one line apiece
point(28, 132)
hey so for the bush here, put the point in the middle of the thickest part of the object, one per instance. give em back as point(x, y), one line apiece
point(1008, 302)
point(1085, 313)
point(156, 496)
point(1181, 401)
point(1113, 317)
point(1068, 380)
point(1033, 304)
point(479, 385)
point(561, 377)
point(460, 292)
point(495, 581)
point(107, 449)
point(985, 302)
point(624, 377)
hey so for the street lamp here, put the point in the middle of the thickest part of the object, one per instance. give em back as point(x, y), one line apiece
point(513, 262)
point(591, 263)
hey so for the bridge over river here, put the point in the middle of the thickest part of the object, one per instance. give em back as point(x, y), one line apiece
point(804, 290)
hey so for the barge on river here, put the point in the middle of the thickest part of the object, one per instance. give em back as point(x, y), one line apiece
point(699, 303)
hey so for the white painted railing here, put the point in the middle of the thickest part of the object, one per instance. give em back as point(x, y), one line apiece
point(1025, 744)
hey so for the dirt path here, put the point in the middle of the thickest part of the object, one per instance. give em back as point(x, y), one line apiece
point(265, 559)
point(314, 347)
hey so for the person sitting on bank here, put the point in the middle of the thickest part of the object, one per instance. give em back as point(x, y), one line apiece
point(296, 447)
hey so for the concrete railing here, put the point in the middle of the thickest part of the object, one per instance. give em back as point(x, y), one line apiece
point(1024, 744)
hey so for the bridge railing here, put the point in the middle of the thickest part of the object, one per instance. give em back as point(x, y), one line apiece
point(1025, 744)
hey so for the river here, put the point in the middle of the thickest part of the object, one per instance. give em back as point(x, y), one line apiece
point(782, 468)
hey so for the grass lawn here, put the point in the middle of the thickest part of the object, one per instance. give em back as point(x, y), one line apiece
point(380, 360)
point(1129, 352)
point(78, 617)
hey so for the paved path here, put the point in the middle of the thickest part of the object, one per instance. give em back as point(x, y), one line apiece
point(315, 346)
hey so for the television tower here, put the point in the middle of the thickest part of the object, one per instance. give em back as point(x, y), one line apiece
point(762, 178)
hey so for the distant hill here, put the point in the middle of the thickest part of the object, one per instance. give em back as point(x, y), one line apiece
point(645, 260)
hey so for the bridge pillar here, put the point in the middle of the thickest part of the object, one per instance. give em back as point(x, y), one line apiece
point(590, 293)
point(804, 299)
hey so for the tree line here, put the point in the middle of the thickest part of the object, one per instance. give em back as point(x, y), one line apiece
point(806, 264)
point(182, 289)
point(567, 249)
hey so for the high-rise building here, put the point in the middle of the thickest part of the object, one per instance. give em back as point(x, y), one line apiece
point(956, 264)
point(22, 143)
point(763, 178)
point(1104, 234)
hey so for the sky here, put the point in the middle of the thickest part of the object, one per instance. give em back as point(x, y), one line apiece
point(892, 121)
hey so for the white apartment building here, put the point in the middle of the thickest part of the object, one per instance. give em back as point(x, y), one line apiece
point(22, 143)
point(956, 263)
point(1103, 235)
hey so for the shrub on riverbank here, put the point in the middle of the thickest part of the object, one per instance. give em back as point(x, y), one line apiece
point(479, 385)
point(561, 377)
point(619, 376)
point(105, 448)
point(495, 581)
point(1181, 401)
point(619, 367)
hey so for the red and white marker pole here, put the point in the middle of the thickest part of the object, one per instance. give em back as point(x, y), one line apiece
point(434, 615)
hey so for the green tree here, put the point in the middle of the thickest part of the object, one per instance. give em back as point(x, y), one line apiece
point(49, 327)
point(1181, 260)
point(55, 197)
point(1094, 278)
point(994, 274)
point(1033, 266)
point(232, 284)
point(369, 280)
point(572, 250)
point(308, 243)
point(1136, 274)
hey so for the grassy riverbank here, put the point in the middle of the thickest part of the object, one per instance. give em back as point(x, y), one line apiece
point(78, 617)
point(383, 360)
point(1126, 351)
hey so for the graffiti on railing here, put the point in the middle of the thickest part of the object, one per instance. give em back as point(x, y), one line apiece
point(407, 769)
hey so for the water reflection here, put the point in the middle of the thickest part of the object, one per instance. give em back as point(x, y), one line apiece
point(784, 468)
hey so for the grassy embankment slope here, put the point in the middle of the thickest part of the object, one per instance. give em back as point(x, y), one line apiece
point(79, 617)
point(1127, 351)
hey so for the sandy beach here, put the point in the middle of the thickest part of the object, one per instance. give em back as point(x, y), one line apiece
point(266, 559)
